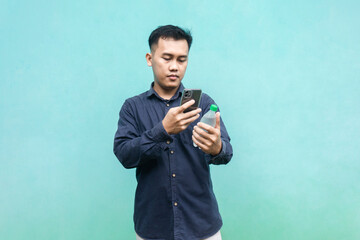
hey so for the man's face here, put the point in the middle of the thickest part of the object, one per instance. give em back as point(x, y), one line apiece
point(168, 59)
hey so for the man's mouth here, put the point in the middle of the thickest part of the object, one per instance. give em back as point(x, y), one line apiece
point(173, 76)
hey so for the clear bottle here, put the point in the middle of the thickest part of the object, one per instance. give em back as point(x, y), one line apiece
point(209, 118)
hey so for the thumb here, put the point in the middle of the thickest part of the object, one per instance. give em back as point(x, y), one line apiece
point(217, 125)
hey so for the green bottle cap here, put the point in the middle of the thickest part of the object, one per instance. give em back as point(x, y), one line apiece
point(213, 107)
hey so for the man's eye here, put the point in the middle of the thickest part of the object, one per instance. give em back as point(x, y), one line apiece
point(167, 59)
point(182, 60)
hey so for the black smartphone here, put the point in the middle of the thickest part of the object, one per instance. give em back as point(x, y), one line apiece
point(189, 94)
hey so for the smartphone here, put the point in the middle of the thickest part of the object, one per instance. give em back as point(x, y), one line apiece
point(189, 94)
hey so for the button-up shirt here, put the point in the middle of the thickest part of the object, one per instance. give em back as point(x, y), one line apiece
point(174, 196)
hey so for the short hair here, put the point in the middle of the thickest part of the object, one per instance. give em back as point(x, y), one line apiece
point(170, 31)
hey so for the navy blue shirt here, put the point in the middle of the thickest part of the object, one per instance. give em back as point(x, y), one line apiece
point(174, 197)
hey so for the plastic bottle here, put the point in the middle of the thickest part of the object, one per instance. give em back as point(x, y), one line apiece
point(209, 118)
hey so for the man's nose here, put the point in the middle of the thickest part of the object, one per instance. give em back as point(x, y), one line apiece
point(174, 66)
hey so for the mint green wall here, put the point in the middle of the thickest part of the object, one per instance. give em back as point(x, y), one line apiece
point(286, 76)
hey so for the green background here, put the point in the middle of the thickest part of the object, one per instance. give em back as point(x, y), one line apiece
point(286, 75)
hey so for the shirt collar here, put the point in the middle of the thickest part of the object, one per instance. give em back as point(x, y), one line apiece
point(178, 93)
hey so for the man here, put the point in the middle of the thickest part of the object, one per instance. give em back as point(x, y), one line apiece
point(174, 197)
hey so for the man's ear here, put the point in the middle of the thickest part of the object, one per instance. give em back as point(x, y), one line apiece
point(148, 57)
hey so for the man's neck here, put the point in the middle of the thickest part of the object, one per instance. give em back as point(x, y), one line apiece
point(164, 93)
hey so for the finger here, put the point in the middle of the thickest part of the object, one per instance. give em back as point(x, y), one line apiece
point(206, 127)
point(201, 145)
point(205, 139)
point(192, 113)
point(195, 140)
point(201, 132)
point(188, 121)
point(186, 105)
point(217, 125)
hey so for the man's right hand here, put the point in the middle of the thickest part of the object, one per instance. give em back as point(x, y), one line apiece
point(176, 120)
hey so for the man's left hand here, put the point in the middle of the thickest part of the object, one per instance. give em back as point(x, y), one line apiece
point(210, 141)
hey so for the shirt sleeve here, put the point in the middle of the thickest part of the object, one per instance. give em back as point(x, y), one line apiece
point(226, 152)
point(132, 148)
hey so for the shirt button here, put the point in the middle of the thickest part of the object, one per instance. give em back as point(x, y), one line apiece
point(168, 141)
point(167, 105)
point(175, 204)
point(172, 152)
point(174, 175)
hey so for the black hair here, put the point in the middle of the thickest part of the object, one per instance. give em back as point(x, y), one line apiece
point(170, 31)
